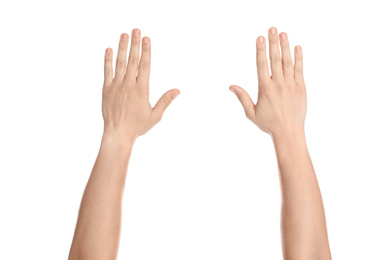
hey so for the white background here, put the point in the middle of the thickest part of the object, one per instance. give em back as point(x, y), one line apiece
point(203, 183)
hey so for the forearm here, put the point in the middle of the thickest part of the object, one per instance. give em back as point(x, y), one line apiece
point(303, 224)
point(97, 231)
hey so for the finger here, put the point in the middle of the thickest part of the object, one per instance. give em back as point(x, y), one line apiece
point(262, 63)
point(108, 71)
point(274, 53)
point(164, 102)
point(144, 64)
point(245, 99)
point(121, 58)
point(298, 67)
point(287, 63)
point(132, 66)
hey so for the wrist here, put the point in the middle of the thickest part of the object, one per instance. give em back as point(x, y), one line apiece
point(119, 134)
point(116, 140)
point(290, 148)
point(289, 144)
point(288, 136)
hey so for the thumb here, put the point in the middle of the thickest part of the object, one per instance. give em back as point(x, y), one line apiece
point(245, 100)
point(165, 101)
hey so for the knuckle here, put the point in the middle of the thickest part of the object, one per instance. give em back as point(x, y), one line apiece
point(121, 64)
point(261, 47)
point(144, 64)
point(300, 83)
point(298, 59)
point(298, 56)
point(167, 101)
point(261, 63)
point(275, 60)
point(265, 91)
point(132, 60)
point(135, 42)
point(247, 114)
point(287, 63)
point(298, 69)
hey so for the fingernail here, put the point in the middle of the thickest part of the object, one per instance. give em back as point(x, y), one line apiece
point(283, 36)
point(273, 31)
point(124, 37)
point(298, 48)
point(108, 51)
point(146, 40)
point(261, 40)
point(135, 33)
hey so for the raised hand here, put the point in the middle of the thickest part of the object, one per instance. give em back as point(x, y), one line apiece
point(127, 114)
point(281, 103)
point(126, 107)
point(280, 111)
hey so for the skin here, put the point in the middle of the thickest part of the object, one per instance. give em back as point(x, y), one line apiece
point(280, 111)
point(127, 115)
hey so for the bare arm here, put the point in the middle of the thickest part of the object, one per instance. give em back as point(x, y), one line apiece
point(280, 111)
point(303, 225)
point(127, 114)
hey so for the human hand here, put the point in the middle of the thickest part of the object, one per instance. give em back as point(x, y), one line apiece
point(126, 108)
point(281, 103)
